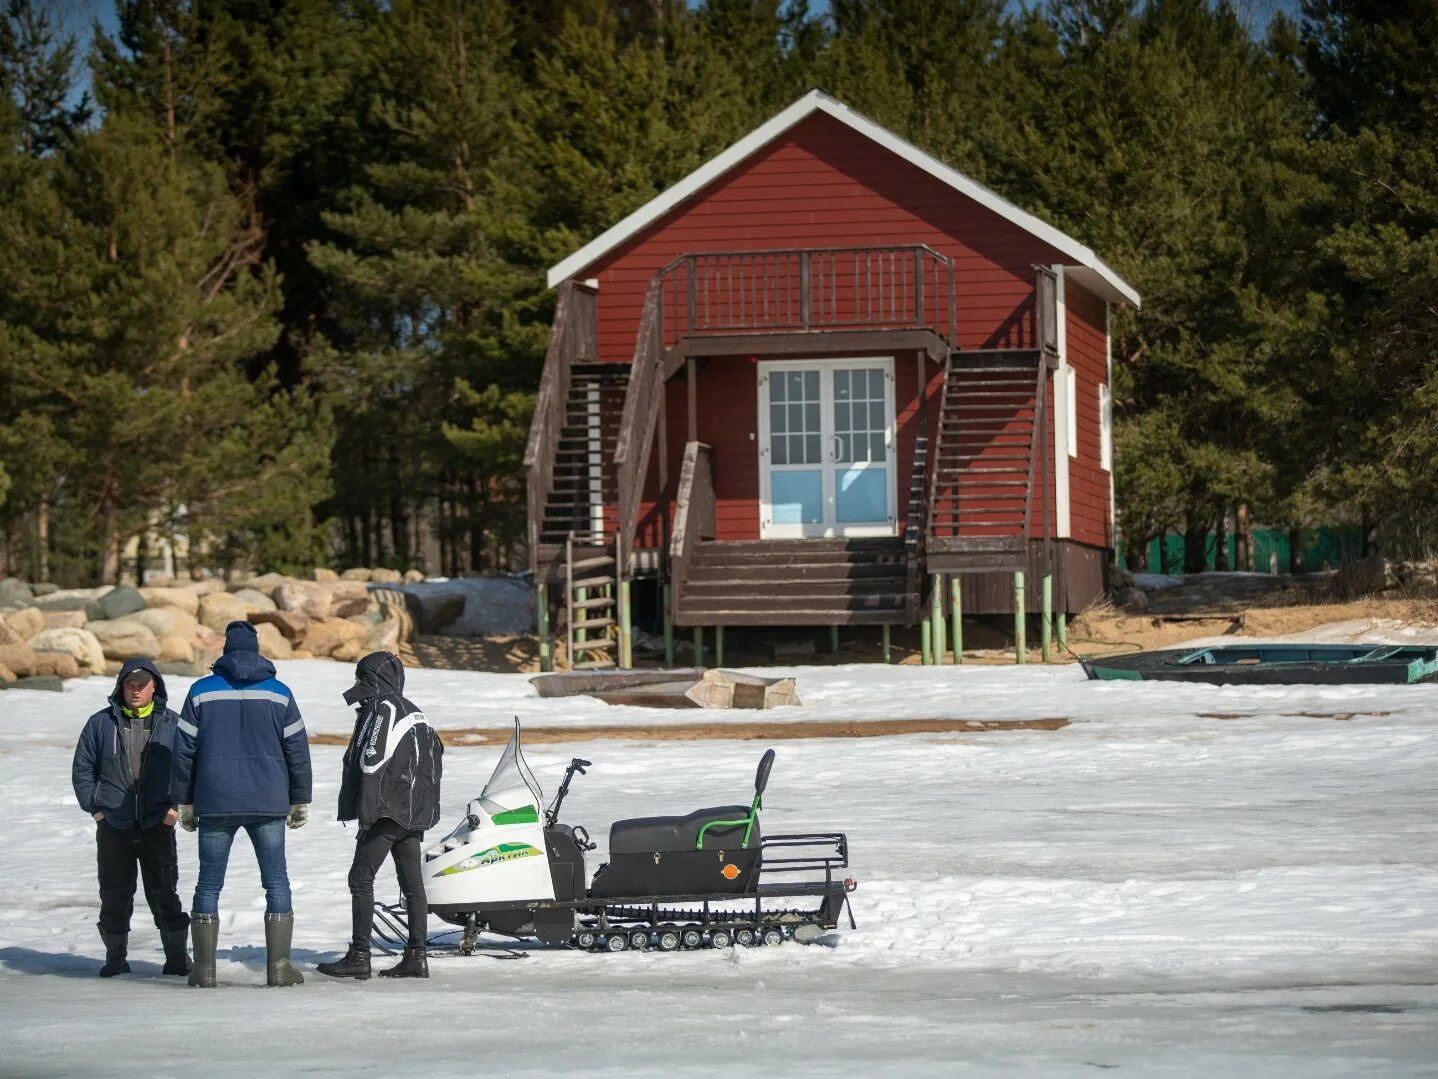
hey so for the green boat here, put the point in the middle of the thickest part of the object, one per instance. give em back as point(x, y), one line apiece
point(1274, 665)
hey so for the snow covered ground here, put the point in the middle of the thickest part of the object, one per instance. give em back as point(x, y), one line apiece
point(1150, 889)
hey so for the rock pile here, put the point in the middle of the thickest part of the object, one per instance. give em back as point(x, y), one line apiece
point(48, 634)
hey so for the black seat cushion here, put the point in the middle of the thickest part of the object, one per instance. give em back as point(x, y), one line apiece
point(643, 835)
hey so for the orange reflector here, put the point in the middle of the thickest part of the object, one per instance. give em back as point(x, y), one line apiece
point(730, 871)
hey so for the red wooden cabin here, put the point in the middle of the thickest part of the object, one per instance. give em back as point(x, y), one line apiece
point(816, 382)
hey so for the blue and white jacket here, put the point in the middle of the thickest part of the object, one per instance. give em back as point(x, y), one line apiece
point(242, 743)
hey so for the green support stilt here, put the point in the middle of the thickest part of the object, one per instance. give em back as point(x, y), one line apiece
point(546, 636)
point(1064, 630)
point(833, 639)
point(924, 642)
point(698, 646)
point(885, 629)
point(718, 646)
point(1046, 632)
point(668, 627)
point(626, 640)
point(1020, 645)
point(956, 603)
point(936, 616)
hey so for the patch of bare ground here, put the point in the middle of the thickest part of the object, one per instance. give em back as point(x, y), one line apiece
point(755, 731)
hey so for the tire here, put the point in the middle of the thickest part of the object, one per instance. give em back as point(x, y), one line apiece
point(639, 940)
point(772, 936)
point(669, 941)
point(720, 938)
point(587, 940)
point(616, 942)
point(692, 938)
point(745, 938)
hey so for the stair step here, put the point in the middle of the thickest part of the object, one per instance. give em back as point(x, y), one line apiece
point(594, 645)
point(592, 582)
point(594, 623)
point(593, 665)
point(592, 604)
point(593, 563)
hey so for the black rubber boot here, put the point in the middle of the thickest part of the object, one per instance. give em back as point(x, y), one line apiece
point(177, 959)
point(279, 971)
point(117, 947)
point(415, 964)
point(355, 964)
point(204, 934)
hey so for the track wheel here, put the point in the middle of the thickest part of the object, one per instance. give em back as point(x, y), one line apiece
point(616, 942)
point(692, 938)
point(639, 939)
point(720, 938)
point(772, 936)
point(808, 933)
point(587, 940)
point(745, 937)
point(669, 940)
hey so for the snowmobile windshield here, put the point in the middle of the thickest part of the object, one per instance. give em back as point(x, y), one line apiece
point(512, 786)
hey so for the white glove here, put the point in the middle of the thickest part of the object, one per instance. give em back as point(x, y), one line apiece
point(187, 818)
point(298, 815)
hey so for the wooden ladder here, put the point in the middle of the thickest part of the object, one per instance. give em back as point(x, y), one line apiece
point(591, 606)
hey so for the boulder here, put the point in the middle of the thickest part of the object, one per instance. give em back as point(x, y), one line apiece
point(78, 642)
point(167, 622)
point(207, 586)
point(8, 633)
point(176, 649)
point(413, 576)
point(324, 573)
point(358, 573)
point(72, 600)
point(19, 658)
point(334, 600)
point(291, 624)
point(7, 676)
point(44, 588)
point(336, 638)
point(301, 653)
point(385, 576)
point(64, 619)
point(219, 609)
point(183, 670)
point(273, 644)
point(208, 644)
point(27, 622)
point(159, 580)
point(395, 607)
point(383, 637)
point(266, 583)
point(41, 681)
point(15, 593)
point(255, 600)
point(57, 663)
point(125, 638)
point(118, 602)
point(185, 599)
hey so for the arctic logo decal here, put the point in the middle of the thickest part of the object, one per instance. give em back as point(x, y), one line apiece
point(505, 852)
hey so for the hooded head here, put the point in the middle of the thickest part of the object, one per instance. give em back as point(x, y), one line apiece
point(242, 661)
point(376, 675)
point(129, 667)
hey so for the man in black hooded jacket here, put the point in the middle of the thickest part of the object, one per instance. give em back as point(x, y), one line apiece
point(124, 776)
point(391, 786)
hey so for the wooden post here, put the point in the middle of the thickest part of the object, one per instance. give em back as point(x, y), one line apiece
point(833, 639)
point(936, 615)
point(668, 627)
point(1046, 630)
point(924, 643)
point(1063, 630)
point(691, 388)
point(956, 603)
point(698, 646)
point(546, 636)
point(1020, 647)
point(885, 628)
point(626, 642)
point(718, 646)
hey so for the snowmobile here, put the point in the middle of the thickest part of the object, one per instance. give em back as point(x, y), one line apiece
point(708, 879)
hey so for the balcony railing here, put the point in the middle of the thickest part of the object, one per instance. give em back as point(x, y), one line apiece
point(841, 288)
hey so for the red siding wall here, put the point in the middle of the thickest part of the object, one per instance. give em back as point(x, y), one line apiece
point(1086, 327)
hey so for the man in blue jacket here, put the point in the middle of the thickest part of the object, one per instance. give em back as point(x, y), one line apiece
point(124, 777)
point(245, 760)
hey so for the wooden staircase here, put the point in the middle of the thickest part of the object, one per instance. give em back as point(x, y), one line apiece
point(583, 481)
point(591, 607)
point(812, 582)
point(986, 455)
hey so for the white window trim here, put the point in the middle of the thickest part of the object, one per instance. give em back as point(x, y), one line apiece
point(1063, 519)
point(1105, 427)
point(1071, 396)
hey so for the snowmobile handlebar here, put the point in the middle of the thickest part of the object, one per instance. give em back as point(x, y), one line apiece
point(576, 764)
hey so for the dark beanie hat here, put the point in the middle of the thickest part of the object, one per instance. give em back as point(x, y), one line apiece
point(241, 637)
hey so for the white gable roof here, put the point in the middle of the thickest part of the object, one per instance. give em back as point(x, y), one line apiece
point(1091, 270)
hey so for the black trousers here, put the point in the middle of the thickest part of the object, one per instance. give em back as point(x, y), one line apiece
point(371, 847)
point(118, 852)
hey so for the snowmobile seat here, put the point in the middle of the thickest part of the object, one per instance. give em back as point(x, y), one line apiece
point(646, 835)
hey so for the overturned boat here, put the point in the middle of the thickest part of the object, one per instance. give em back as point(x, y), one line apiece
point(1274, 664)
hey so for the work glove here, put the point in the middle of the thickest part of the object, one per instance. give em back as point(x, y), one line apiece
point(187, 818)
point(298, 815)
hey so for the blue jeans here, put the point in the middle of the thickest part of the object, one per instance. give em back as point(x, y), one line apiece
point(267, 834)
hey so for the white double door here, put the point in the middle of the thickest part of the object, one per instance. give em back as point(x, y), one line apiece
point(826, 448)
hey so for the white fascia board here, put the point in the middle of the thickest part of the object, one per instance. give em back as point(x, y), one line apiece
point(1063, 513)
point(1104, 281)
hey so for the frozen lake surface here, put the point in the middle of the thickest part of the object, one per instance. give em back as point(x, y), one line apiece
point(1152, 890)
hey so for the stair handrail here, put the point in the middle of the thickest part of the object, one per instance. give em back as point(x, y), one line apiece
point(1037, 446)
point(694, 514)
point(642, 399)
point(915, 528)
point(937, 442)
point(572, 338)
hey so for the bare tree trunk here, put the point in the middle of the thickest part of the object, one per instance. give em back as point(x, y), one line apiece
point(1195, 543)
point(1295, 551)
point(42, 539)
point(1243, 538)
point(1220, 546)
